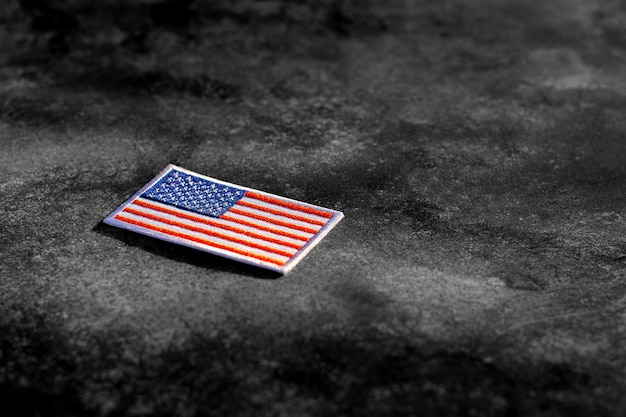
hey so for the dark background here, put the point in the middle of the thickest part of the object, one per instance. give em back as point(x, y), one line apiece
point(477, 149)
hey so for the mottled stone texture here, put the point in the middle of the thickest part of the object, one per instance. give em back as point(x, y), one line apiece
point(477, 149)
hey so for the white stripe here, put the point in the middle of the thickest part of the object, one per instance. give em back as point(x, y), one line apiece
point(277, 217)
point(220, 230)
point(304, 235)
point(209, 238)
point(262, 223)
point(284, 209)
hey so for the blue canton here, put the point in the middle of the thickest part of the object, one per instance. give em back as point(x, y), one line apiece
point(194, 194)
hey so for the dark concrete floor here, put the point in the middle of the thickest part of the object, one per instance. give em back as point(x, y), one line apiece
point(477, 149)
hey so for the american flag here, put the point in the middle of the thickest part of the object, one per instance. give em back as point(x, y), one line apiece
point(240, 223)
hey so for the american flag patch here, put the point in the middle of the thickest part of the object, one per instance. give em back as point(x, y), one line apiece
point(228, 220)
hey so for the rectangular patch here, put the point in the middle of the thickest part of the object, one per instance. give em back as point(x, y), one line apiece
point(240, 223)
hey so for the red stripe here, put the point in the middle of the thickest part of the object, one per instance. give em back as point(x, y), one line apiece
point(209, 222)
point(271, 220)
point(280, 213)
point(288, 204)
point(264, 228)
point(200, 240)
point(208, 232)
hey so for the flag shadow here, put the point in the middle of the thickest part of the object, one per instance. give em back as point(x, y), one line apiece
point(184, 254)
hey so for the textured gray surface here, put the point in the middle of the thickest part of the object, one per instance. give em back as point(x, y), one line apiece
point(476, 148)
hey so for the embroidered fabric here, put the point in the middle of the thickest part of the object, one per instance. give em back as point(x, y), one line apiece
point(195, 194)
